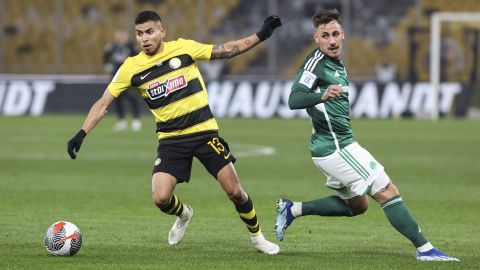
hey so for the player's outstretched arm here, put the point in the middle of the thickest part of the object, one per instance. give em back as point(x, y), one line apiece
point(301, 98)
point(236, 47)
point(97, 112)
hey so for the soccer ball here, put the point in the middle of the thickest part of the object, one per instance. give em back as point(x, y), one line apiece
point(63, 238)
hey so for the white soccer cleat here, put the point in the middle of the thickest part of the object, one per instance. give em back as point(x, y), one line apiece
point(263, 245)
point(136, 125)
point(120, 126)
point(175, 235)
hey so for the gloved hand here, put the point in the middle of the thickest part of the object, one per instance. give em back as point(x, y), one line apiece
point(269, 25)
point(74, 144)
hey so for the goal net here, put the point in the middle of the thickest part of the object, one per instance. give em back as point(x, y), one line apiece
point(454, 58)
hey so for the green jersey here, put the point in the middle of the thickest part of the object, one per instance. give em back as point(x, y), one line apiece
point(331, 118)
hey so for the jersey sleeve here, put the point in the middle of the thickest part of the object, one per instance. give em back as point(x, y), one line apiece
point(303, 94)
point(198, 51)
point(121, 81)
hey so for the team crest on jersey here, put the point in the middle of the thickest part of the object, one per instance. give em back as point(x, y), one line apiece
point(175, 63)
point(157, 90)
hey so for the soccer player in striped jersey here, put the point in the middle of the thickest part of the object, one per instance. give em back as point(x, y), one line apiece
point(321, 87)
point(166, 76)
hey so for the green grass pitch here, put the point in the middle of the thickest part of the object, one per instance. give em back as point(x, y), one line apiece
point(106, 193)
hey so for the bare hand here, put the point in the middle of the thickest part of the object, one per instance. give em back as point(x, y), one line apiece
point(333, 91)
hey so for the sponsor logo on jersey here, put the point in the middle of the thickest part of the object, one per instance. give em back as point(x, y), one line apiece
point(157, 90)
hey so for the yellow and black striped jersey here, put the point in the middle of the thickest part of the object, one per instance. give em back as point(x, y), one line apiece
point(172, 86)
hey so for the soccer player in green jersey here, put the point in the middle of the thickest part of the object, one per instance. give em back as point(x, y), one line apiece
point(321, 87)
point(165, 74)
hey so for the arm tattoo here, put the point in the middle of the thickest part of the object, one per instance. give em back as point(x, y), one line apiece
point(220, 52)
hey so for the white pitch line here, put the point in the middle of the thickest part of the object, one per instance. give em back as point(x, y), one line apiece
point(238, 150)
point(250, 150)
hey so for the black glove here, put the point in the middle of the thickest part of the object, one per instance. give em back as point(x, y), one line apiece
point(74, 144)
point(269, 25)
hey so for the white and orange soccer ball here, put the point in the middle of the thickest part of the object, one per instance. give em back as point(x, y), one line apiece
point(63, 238)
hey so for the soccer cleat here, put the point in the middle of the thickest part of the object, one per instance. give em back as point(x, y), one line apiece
point(434, 255)
point(263, 245)
point(136, 125)
point(175, 235)
point(284, 217)
point(120, 126)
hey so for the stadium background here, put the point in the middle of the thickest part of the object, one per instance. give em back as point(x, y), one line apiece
point(64, 40)
point(51, 71)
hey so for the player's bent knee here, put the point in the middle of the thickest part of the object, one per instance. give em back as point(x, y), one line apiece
point(358, 205)
point(359, 210)
point(237, 195)
point(388, 192)
point(160, 199)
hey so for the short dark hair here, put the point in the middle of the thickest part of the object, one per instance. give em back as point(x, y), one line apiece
point(146, 16)
point(325, 16)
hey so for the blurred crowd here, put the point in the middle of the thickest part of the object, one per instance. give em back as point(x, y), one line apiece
point(385, 37)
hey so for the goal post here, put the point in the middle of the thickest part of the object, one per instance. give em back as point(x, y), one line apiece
point(435, 41)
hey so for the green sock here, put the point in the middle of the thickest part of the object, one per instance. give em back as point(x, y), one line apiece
point(328, 206)
point(403, 221)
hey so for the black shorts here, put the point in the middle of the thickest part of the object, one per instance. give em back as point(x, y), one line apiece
point(176, 158)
